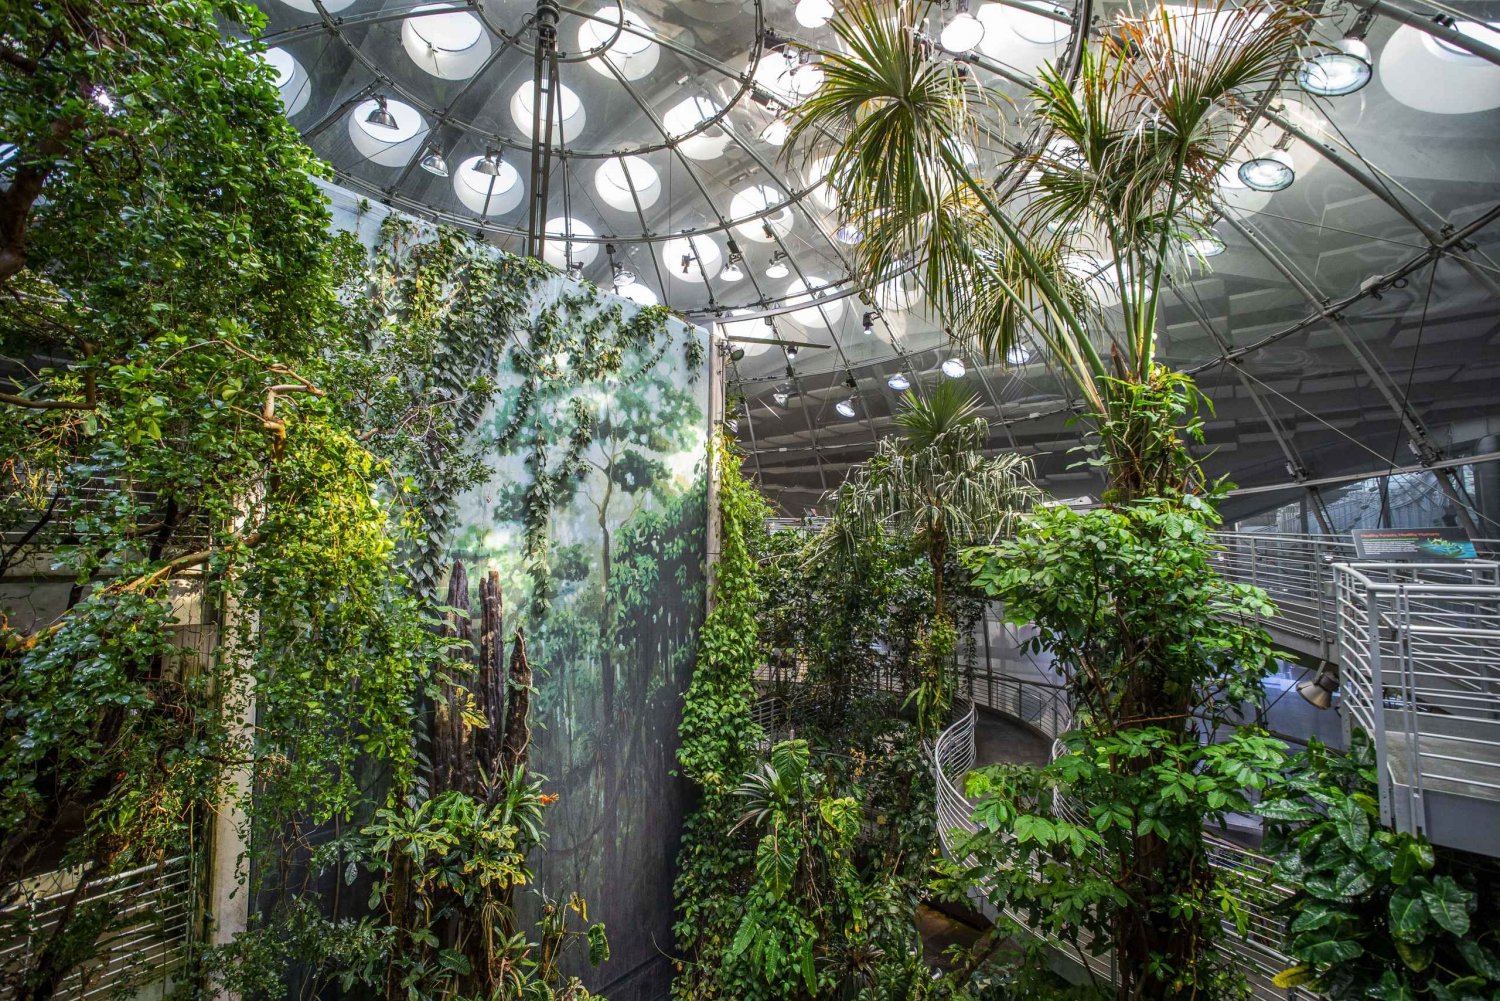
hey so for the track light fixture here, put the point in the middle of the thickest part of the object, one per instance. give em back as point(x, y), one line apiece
point(867, 322)
point(619, 274)
point(954, 368)
point(434, 163)
point(791, 351)
point(777, 268)
point(1342, 69)
point(489, 164)
point(1319, 691)
point(381, 115)
point(899, 383)
point(781, 396)
point(846, 407)
point(1272, 170)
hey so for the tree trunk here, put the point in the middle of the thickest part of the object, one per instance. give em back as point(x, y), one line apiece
point(452, 754)
point(517, 741)
point(491, 688)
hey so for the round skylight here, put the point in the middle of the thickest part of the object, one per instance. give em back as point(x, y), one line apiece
point(752, 202)
point(691, 258)
point(484, 193)
point(625, 181)
point(632, 53)
point(568, 114)
point(562, 246)
point(774, 74)
point(445, 40)
point(292, 82)
point(816, 172)
point(639, 294)
point(332, 6)
point(385, 145)
point(1022, 39)
point(1423, 73)
point(825, 313)
point(689, 115)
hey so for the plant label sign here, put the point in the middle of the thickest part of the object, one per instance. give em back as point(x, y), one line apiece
point(1416, 545)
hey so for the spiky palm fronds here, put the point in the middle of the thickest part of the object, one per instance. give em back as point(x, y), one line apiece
point(932, 483)
point(1140, 135)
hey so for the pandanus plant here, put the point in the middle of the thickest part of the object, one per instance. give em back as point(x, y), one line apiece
point(1118, 180)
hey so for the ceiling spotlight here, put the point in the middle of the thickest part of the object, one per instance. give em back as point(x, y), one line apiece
point(737, 354)
point(1319, 691)
point(1271, 171)
point(1207, 245)
point(777, 268)
point(899, 383)
point(731, 272)
point(845, 407)
point(953, 368)
point(781, 396)
point(381, 115)
point(620, 275)
point(963, 31)
point(1017, 355)
point(575, 270)
point(868, 321)
point(433, 162)
point(1343, 69)
point(813, 13)
point(849, 381)
point(489, 165)
point(791, 351)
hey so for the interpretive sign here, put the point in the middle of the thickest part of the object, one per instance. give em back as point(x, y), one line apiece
point(1413, 544)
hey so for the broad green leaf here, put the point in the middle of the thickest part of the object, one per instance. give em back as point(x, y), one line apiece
point(1408, 916)
point(1449, 904)
point(1352, 824)
point(1293, 976)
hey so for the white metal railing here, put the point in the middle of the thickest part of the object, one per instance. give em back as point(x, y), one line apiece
point(1420, 673)
point(146, 940)
point(1296, 571)
point(1043, 707)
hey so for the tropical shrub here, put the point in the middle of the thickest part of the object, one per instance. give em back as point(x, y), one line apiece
point(1375, 913)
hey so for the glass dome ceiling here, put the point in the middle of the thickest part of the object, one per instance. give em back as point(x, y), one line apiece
point(1346, 305)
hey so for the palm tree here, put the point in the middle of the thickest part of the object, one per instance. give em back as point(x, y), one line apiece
point(931, 483)
point(1107, 202)
point(934, 484)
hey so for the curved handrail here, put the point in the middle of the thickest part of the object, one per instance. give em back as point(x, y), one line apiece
point(1257, 951)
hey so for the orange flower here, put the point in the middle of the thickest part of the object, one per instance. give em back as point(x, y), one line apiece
point(548, 798)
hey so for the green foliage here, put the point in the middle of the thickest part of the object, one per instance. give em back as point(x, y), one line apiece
point(1158, 654)
point(1127, 598)
point(1376, 913)
point(717, 732)
point(177, 455)
point(447, 861)
point(801, 870)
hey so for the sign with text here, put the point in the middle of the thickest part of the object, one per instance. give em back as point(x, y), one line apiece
point(1417, 545)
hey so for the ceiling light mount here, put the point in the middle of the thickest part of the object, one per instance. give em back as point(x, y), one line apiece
point(433, 162)
point(1273, 170)
point(1342, 68)
point(380, 116)
point(490, 164)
